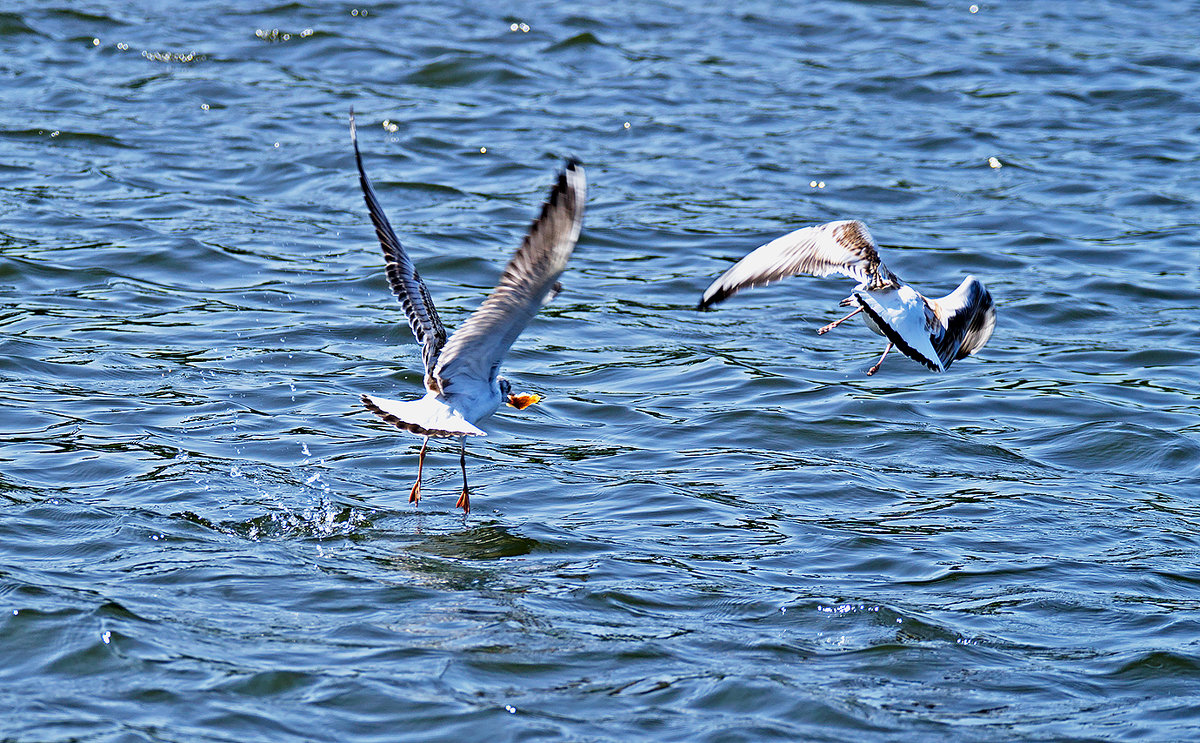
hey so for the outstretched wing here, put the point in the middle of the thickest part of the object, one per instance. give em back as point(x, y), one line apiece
point(402, 273)
point(967, 317)
point(844, 247)
point(530, 279)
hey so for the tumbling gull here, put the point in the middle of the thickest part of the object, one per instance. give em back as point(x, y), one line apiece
point(934, 332)
point(462, 383)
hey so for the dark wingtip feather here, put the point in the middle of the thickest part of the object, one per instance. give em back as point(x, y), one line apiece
point(706, 302)
point(560, 191)
point(983, 322)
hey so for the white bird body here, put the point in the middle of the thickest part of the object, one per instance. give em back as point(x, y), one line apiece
point(904, 317)
point(462, 381)
point(934, 332)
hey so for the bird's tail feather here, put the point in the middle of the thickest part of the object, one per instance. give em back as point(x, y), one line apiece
point(425, 417)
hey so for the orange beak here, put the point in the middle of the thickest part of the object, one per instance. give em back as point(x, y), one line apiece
point(520, 402)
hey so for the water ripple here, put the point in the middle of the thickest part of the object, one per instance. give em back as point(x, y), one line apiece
point(715, 526)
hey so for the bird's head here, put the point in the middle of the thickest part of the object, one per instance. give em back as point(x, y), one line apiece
point(520, 402)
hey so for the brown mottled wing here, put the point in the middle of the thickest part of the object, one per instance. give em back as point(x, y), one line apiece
point(530, 279)
point(402, 273)
point(844, 248)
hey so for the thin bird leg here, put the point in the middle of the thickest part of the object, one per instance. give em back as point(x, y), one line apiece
point(836, 323)
point(879, 363)
point(464, 500)
point(415, 495)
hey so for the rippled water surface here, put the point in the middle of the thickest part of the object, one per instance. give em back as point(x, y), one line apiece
point(715, 526)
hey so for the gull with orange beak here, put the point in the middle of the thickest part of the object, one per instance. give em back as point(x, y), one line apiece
point(462, 382)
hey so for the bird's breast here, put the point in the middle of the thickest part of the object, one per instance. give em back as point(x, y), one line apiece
point(475, 401)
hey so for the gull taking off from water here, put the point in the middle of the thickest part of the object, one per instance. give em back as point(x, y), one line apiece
point(462, 384)
point(934, 332)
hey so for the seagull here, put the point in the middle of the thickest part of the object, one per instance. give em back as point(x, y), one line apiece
point(462, 384)
point(934, 332)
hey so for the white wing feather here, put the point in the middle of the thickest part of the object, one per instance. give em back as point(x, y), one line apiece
point(473, 354)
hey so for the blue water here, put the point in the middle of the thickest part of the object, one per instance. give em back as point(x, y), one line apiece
point(715, 527)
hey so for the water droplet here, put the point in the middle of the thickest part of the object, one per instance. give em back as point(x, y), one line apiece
point(95, 42)
point(626, 124)
point(276, 145)
point(510, 709)
point(106, 637)
point(483, 150)
point(304, 448)
point(204, 106)
point(974, 8)
point(994, 163)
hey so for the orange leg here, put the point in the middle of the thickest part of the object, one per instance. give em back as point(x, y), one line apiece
point(879, 363)
point(836, 323)
point(464, 500)
point(415, 495)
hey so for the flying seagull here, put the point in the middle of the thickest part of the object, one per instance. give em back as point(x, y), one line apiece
point(934, 332)
point(462, 384)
